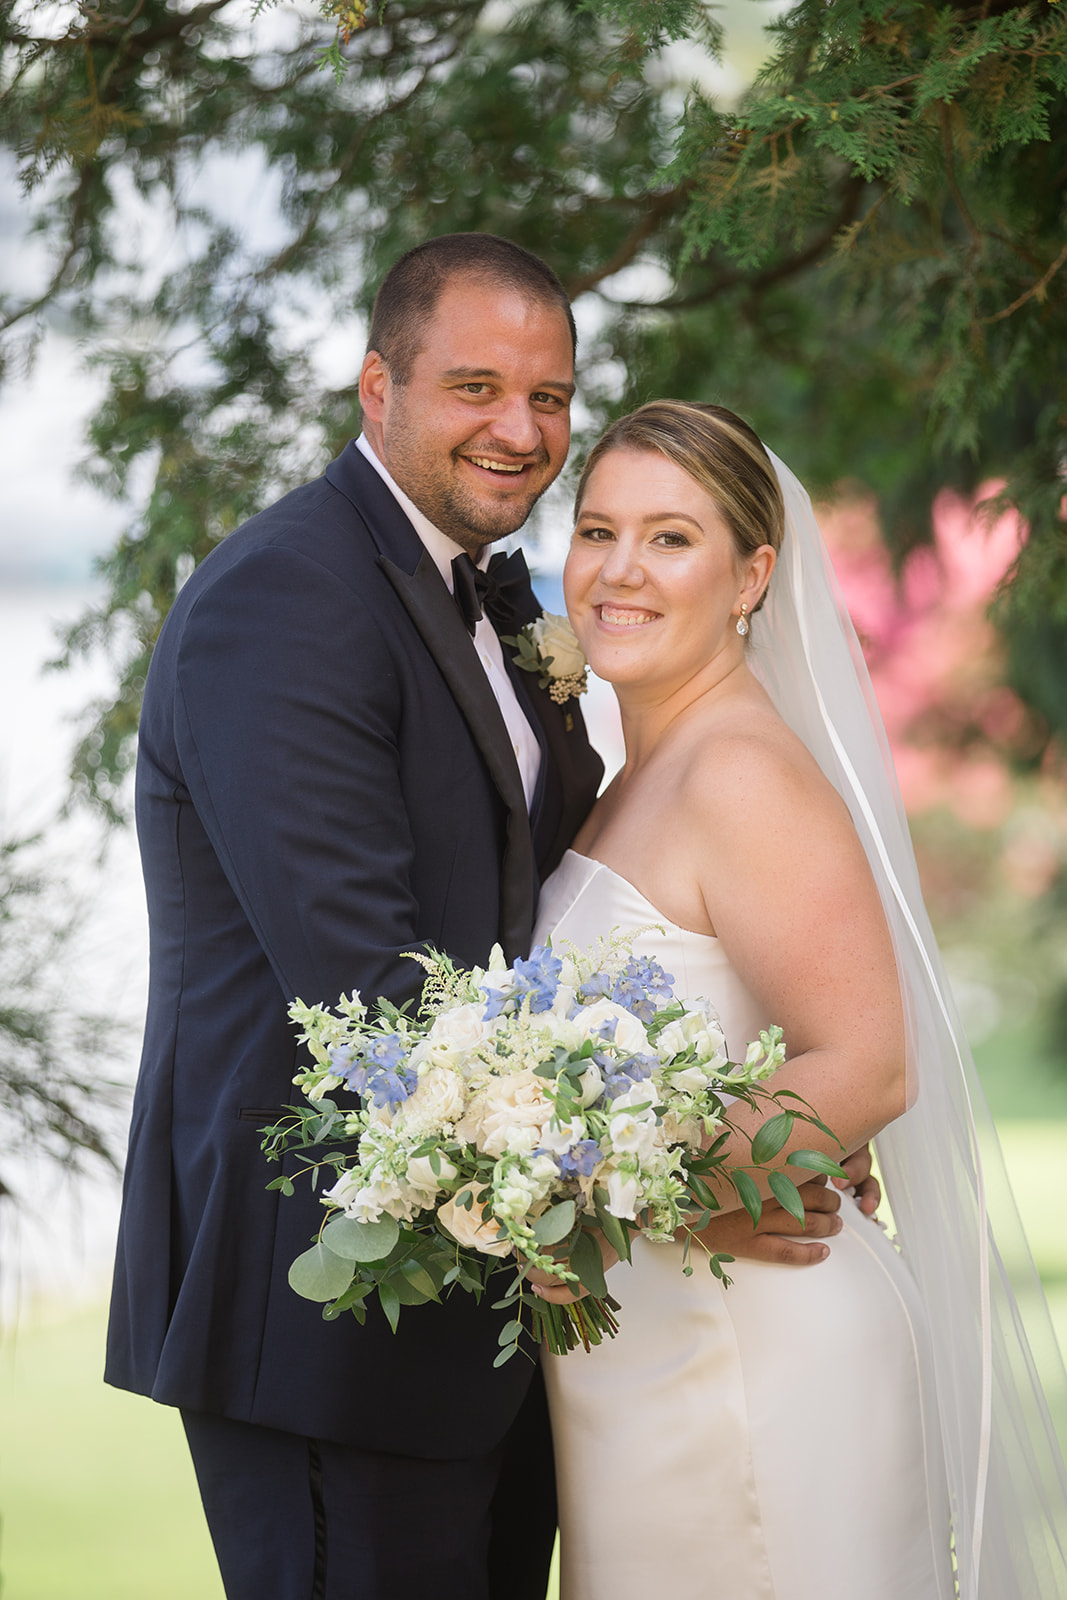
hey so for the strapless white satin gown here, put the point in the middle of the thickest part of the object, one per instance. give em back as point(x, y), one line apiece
point(764, 1442)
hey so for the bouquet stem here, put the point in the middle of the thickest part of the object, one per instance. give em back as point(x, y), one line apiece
point(584, 1322)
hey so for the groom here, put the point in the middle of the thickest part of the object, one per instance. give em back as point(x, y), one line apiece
point(338, 761)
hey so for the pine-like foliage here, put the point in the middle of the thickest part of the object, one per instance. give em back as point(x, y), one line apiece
point(867, 258)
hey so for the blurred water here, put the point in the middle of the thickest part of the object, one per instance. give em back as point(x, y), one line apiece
point(57, 1234)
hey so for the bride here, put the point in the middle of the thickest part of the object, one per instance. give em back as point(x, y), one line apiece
point(872, 1425)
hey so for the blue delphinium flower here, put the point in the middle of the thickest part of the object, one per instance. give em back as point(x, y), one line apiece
point(639, 985)
point(581, 1158)
point(379, 1072)
point(596, 987)
point(619, 1077)
point(537, 978)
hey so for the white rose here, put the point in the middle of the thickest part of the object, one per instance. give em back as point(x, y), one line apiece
point(516, 1109)
point(438, 1101)
point(422, 1176)
point(554, 636)
point(467, 1227)
point(630, 1035)
point(622, 1195)
point(683, 1130)
point(464, 1027)
point(557, 1029)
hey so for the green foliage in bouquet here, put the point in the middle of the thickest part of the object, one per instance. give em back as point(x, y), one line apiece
point(523, 1115)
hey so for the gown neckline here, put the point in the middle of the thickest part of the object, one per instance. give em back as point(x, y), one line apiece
point(691, 933)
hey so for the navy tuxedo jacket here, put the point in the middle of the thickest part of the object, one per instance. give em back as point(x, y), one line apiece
point(324, 782)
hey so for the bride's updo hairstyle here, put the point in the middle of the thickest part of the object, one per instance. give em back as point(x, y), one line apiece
point(718, 451)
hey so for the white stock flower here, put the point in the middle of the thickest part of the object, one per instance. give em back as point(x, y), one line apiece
point(698, 1030)
point(467, 1227)
point(591, 1085)
point(691, 1080)
point(630, 1035)
point(326, 1085)
point(363, 1201)
point(554, 636)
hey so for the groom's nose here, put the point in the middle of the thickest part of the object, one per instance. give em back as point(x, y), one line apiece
point(515, 426)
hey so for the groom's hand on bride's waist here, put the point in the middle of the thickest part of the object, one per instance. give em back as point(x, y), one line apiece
point(779, 1237)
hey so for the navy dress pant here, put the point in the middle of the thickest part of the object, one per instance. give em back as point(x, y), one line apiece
point(293, 1518)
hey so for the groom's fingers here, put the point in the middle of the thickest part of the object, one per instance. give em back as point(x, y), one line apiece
point(865, 1186)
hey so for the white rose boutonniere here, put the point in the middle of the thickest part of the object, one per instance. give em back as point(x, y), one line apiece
point(550, 648)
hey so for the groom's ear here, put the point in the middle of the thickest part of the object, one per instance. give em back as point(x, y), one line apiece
point(373, 386)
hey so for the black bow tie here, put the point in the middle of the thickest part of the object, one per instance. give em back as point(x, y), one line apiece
point(498, 591)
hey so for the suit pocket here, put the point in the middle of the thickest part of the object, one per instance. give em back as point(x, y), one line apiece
point(262, 1119)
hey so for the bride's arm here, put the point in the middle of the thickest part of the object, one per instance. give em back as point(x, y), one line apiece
point(789, 893)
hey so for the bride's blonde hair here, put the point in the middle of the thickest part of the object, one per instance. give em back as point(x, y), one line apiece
point(718, 451)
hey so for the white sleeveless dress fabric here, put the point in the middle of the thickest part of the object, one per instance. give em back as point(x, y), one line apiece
point(763, 1442)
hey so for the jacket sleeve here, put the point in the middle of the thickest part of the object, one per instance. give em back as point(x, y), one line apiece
point(286, 718)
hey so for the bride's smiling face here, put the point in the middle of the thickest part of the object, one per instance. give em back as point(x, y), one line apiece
point(654, 582)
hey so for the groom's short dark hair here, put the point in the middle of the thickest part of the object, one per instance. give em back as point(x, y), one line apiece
point(408, 297)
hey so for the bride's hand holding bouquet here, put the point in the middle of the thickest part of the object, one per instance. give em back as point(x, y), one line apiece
point(528, 1117)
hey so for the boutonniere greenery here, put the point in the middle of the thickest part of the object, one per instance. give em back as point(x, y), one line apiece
point(550, 648)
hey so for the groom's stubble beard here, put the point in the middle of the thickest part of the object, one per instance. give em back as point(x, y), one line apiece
point(430, 477)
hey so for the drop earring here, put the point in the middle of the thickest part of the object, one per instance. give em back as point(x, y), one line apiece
point(742, 621)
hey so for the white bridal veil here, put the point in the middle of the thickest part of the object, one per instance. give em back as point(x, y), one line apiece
point(944, 1176)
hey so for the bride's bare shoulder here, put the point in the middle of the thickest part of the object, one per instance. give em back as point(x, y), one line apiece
point(748, 764)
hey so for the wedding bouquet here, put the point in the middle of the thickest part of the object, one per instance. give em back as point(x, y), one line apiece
point(522, 1112)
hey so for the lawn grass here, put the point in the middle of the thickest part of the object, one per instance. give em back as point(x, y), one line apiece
point(97, 1493)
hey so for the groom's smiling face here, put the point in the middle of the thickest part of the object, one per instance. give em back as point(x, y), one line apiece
point(481, 427)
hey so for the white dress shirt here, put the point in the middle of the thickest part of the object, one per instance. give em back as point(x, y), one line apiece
point(443, 551)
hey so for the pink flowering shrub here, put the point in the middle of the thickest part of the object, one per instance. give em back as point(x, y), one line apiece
point(936, 667)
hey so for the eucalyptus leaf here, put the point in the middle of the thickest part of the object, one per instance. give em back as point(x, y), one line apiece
point(509, 1332)
point(361, 1241)
point(319, 1274)
point(505, 1354)
point(555, 1224)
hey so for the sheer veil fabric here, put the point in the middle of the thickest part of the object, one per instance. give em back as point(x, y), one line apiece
point(944, 1175)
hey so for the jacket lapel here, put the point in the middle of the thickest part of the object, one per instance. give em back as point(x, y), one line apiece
point(420, 588)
